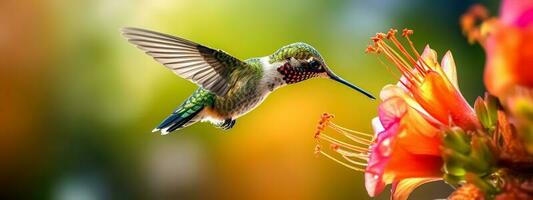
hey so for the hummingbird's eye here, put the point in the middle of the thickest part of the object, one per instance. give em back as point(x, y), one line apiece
point(314, 63)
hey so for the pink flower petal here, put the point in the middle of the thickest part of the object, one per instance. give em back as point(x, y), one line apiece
point(374, 184)
point(517, 12)
point(391, 110)
point(377, 161)
point(376, 125)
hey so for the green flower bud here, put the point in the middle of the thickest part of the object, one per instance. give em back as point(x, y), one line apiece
point(456, 139)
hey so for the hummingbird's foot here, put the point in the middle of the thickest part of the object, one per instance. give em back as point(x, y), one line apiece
point(227, 124)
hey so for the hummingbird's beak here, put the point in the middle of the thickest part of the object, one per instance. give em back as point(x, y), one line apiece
point(344, 82)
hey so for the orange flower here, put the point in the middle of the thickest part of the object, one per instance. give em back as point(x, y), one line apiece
point(404, 152)
point(403, 136)
point(406, 148)
point(413, 113)
point(432, 85)
point(508, 42)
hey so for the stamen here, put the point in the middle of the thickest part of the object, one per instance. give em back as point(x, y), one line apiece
point(391, 33)
point(389, 69)
point(405, 70)
point(354, 138)
point(354, 162)
point(381, 44)
point(326, 117)
point(406, 33)
point(397, 55)
point(317, 149)
point(370, 49)
point(470, 23)
point(342, 163)
point(381, 36)
point(324, 120)
point(362, 156)
point(350, 131)
point(375, 39)
point(407, 59)
point(355, 157)
point(402, 49)
point(343, 144)
point(357, 139)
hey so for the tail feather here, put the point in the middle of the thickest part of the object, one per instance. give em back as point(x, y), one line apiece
point(180, 118)
point(187, 113)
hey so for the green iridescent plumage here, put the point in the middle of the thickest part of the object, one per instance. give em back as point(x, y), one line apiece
point(196, 102)
point(297, 50)
point(188, 109)
point(244, 83)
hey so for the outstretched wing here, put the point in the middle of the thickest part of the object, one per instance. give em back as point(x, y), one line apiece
point(202, 65)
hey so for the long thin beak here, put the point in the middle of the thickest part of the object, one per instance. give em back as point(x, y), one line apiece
point(344, 82)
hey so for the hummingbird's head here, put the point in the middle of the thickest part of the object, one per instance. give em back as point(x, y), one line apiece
point(301, 61)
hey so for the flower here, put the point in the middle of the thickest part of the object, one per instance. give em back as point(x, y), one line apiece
point(432, 85)
point(402, 136)
point(424, 120)
point(414, 113)
point(410, 124)
point(508, 42)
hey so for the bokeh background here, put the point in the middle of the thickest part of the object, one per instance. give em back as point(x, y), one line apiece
point(78, 102)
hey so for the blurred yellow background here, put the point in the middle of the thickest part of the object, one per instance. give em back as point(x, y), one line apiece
point(78, 102)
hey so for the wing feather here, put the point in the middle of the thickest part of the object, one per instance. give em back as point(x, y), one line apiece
point(202, 65)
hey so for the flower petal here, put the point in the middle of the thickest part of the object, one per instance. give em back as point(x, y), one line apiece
point(517, 12)
point(374, 184)
point(448, 65)
point(404, 164)
point(378, 159)
point(430, 57)
point(391, 91)
point(376, 125)
point(391, 111)
point(404, 137)
point(402, 189)
point(444, 102)
point(418, 136)
point(509, 59)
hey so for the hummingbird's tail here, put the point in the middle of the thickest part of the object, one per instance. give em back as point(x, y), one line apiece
point(187, 113)
point(179, 119)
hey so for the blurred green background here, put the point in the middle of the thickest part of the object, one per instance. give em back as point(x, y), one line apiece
point(78, 102)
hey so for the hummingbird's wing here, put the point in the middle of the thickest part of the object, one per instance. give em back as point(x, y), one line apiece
point(202, 65)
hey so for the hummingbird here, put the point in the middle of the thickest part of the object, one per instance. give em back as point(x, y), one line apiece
point(228, 87)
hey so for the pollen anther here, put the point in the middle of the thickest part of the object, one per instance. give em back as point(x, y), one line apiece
point(354, 155)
